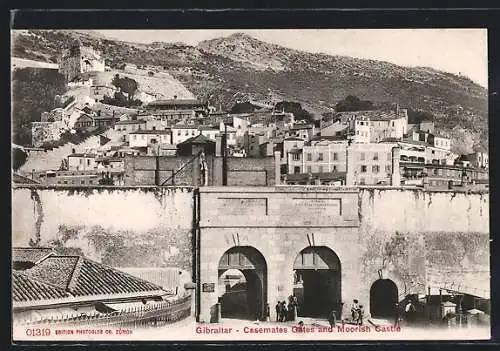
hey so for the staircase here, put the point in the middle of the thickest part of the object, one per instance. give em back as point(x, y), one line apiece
point(51, 159)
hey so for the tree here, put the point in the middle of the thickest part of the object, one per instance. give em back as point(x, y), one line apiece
point(18, 158)
point(33, 92)
point(417, 116)
point(295, 108)
point(243, 107)
point(353, 103)
point(126, 85)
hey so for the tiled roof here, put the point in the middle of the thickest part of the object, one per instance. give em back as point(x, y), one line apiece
point(20, 179)
point(92, 278)
point(130, 122)
point(30, 254)
point(207, 128)
point(175, 102)
point(374, 115)
point(82, 155)
point(83, 277)
point(154, 132)
point(199, 139)
point(55, 270)
point(183, 126)
point(25, 288)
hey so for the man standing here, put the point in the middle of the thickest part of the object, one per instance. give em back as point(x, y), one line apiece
point(409, 311)
point(354, 309)
point(278, 311)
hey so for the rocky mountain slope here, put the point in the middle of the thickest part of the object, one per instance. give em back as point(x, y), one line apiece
point(239, 67)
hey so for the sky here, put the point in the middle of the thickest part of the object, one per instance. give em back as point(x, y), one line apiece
point(458, 51)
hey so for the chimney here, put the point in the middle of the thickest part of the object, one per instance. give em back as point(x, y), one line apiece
point(396, 175)
point(277, 168)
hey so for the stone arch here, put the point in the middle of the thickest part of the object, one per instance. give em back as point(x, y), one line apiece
point(317, 282)
point(253, 293)
point(383, 298)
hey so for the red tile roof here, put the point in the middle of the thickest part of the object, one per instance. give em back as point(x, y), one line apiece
point(25, 288)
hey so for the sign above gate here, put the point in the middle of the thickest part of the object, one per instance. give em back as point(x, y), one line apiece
point(277, 207)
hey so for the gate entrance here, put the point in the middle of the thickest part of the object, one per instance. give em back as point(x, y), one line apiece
point(383, 298)
point(243, 283)
point(317, 281)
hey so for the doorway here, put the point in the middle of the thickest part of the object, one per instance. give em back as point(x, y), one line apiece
point(243, 284)
point(317, 284)
point(383, 298)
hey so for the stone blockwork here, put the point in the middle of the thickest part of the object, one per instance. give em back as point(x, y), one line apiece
point(389, 233)
point(121, 227)
point(417, 239)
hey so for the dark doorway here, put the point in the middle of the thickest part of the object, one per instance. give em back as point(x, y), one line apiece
point(243, 284)
point(317, 282)
point(383, 298)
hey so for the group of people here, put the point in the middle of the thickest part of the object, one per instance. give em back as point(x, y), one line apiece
point(286, 312)
point(357, 312)
point(408, 314)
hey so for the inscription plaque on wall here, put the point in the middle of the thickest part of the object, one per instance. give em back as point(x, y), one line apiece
point(208, 287)
point(318, 206)
point(243, 206)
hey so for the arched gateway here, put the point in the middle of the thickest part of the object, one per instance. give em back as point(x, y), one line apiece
point(383, 298)
point(243, 277)
point(317, 282)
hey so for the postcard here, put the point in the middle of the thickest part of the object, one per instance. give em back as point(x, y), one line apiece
point(222, 185)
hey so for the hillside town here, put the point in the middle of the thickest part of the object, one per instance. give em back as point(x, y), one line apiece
point(364, 147)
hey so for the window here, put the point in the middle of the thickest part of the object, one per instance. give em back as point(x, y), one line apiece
point(388, 169)
point(192, 132)
point(362, 181)
point(320, 156)
point(142, 137)
point(335, 168)
point(335, 156)
point(186, 133)
point(375, 168)
point(135, 137)
point(65, 182)
point(309, 157)
point(91, 182)
point(296, 169)
point(436, 171)
point(81, 161)
point(308, 169)
point(296, 157)
point(375, 156)
point(178, 133)
point(154, 128)
point(320, 169)
point(363, 168)
point(82, 182)
point(389, 156)
point(362, 155)
point(88, 162)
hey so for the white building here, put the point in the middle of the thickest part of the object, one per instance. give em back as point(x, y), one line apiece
point(326, 154)
point(82, 162)
point(143, 138)
point(209, 132)
point(182, 133)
